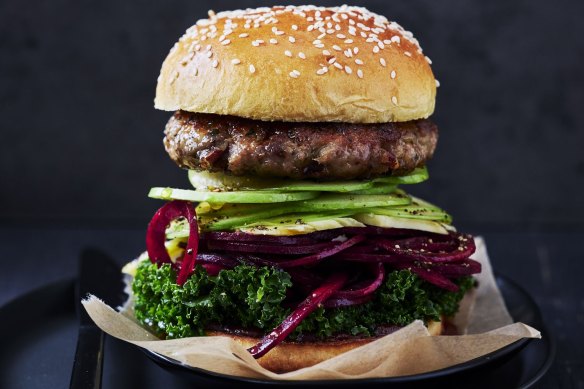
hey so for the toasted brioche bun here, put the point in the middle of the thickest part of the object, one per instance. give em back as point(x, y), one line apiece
point(289, 356)
point(305, 63)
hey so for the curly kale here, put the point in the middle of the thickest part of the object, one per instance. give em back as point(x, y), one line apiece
point(245, 296)
point(252, 297)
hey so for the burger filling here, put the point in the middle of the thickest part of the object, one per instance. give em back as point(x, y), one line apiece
point(258, 299)
point(298, 231)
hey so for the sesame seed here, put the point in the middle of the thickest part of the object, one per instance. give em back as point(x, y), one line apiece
point(214, 63)
point(437, 84)
point(221, 38)
point(322, 71)
point(348, 41)
point(332, 60)
point(382, 62)
point(376, 49)
point(407, 53)
point(355, 50)
point(338, 65)
point(348, 53)
point(395, 39)
point(274, 29)
point(363, 34)
point(273, 41)
point(381, 45)
point(251, 69)
point(294, 73)
point(301, 55)
point(288, 53)
point(319, 46)
point(387, 41)
point(369, 40)
point(279, 33)
point(226, 42)
point(359, 73)
point(394, 100)
point(209, 54)
point(392, 74)
point(321, 36)
point(337, 48)
point(326, 52)
point(358, 61)
point(294, 27)
point(198, 47)
point(428, 60)
point(348, 70)
point(235, 61)
point(244, 35)
point(330, 31)
point(255, 43)
point(341, 36)
point(310, 28)
point(291, 39)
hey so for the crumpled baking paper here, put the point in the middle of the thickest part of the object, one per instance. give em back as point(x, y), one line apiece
point(483, 322)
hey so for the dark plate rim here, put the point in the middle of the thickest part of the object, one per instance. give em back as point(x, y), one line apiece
point(459, 368)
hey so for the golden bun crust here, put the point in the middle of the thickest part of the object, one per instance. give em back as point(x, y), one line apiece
point(299, 63)
point(290, 356)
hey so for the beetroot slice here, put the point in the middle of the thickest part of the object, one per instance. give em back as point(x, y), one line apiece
point(315, 258)
point(261, 239)
point(316, 298)
point(464, 249)
point(212, 268)
point(367, 290)
point(259, 248)
point(434, 278)
point(217, 259)
point(155, 236)
point(457, 269)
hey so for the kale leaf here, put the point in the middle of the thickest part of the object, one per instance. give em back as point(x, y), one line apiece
point(244, 296)
point(253, 297)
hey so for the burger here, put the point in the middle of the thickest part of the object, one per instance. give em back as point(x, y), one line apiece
point(299, 127)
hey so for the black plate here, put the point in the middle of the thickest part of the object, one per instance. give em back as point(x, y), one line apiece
point(479, 371)
point(38, 352)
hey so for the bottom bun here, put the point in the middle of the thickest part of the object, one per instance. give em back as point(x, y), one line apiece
point(290, 356)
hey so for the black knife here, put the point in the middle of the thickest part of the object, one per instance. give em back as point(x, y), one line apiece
point(97, 275)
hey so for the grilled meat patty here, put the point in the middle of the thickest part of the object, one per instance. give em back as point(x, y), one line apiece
point(322, 151)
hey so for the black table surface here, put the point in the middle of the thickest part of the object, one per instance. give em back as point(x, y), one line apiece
point(549, 265)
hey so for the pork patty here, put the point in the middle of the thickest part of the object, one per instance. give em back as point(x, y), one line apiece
point(321, 151)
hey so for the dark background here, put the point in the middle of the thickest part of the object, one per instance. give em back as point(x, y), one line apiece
point(81, 143)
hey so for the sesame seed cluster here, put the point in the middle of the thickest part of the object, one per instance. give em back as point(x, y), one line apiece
point(334, 39)
point(299, 63)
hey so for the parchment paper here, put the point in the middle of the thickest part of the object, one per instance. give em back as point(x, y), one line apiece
point(483, 319)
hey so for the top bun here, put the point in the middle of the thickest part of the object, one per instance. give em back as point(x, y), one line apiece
point(299, 63)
